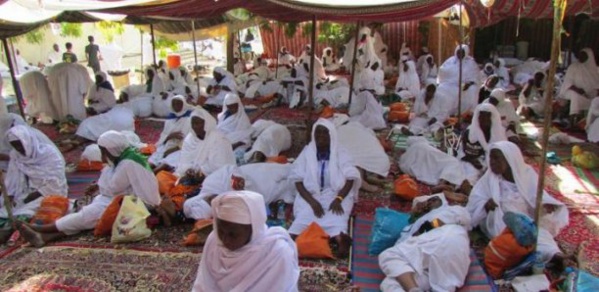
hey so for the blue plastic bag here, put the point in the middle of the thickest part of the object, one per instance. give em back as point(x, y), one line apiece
point(386, 229)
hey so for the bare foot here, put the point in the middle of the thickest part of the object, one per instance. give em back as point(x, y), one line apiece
point(34, 238)
point(344, 244)
point(441, 187)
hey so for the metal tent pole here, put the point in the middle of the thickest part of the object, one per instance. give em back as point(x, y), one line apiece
point(15, 83)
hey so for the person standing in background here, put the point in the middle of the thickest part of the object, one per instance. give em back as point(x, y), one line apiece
point(54, 56)
point(69, 56)
point(92, 53)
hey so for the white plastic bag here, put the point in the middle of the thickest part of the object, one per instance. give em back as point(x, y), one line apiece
point(130, 224)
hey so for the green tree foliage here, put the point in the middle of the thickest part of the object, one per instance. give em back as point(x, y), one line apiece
point(71, 29)
point(34, 37)
point(330, 33)
point(164, 45)
point(110, 29)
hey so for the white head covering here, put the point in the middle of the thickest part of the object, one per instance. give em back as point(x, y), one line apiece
point(499, 94)
point(268, 262)
point(497, 131)
point(114, 142)
point(236, 127)
point(6, 122)
point(103, 75)
point(339, 119)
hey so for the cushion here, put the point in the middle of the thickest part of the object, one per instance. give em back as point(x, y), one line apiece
point(313, 242)
point(86, 165)
point(104, 225)
point(51, 208)
point(405, 187)
point(503, 253)
point(327, 112)
point(398, 117)
point(386, 229)
point(166, 181)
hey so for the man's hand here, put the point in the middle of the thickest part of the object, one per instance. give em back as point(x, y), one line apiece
point(336, 207)
point(490, 205)
point(32, 197)
point(317, 208)
point(209, 199)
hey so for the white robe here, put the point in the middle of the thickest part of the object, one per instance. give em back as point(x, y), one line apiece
point(439, 258)
point(286, 59)
point(7, 121)
point(268, 262)
point(437, 108)
point(408, 83)
point(582, 75)
point(54, 57)
point(218, 97)
point(68, 83)
point(364, 148)
point(126, 178)
point(37, 93)
point(592, 127)
point(535, 101)
point(338, 170)
point(236, 127)
point(271, 138)
point(503, 74)
point(119, 118)
point(179, 123)
point(449, 82)
point(366, 110)
point(515, 197)
point(428, 73)
point(104, 99)
point(41, 169)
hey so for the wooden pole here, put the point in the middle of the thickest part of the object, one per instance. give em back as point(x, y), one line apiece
point(353, 64)
point(141, 41)
point(230, 48)
point(153, 44)
point(559, 7)
point(312, 56)
point(460, 71)
point(440, 32)
point(277, 41)
point(13, 53)
point(195, 56)
point(15, 82)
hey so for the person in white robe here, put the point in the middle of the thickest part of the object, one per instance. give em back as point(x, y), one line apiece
point(268, 179)
point(23, 66)
point(294, 87)
point(7, 121)
point(365, 108)
point(285, 58)
point(36, 169)
point(327, 183)
point(424, 52)
point(532, 97)
point(161, 106)
point(222, 84)
point(490, 84)
point(127, 173)
point(37, 94)
point(242, 253)
point(433, 253)
point(162, 73)
point(525, 71)
point(186, 76)
point(592, 126)
point(234, 123)
point(119, 118)
point(101, 96)
point(271, 139)
point(449, 80)
point(176, 84)
point(329, 61)
point(205, 149)
point(263, 71)
point(509, 118)
point(503, 73)
point(55, 56)
point(581, 84)
point(382, 54)
point(510, 185)
point(318, 71)
point(239, 67)
point(488, 70)
point(428, 70)
point(366, 53)
point(431, 110)
point(176, 126)
point(69, 84)
point(408, 82)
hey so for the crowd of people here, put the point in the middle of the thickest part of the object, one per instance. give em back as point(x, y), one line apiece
point(229, 167)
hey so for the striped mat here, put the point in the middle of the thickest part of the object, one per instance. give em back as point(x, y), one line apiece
point(400, 141)
point(367, 275)
point(79, 181)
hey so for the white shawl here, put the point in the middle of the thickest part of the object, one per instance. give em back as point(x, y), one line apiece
point(582, 75)
point(503, 74)
point(448, 72)
point(408, 79)
point(236, 127)
point(506, 109)
point(437, 107)
point(178, 122)
point(475, 133)
point(6, 122)
point(267, 263)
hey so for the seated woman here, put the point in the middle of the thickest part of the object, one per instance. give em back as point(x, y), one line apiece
point(176, 126)
point(510, 185)
point(176, 83)
point(431, 110)
point(365, 108)
point(532, 96)
point(101, 95)
point(485, 91)
point(509, 118)
point(222, 84)
point(327, 184)
point(429, 70)
point(271, 140)
point(294, 87)
point(449, 81)
point(8, 121)
point(408, 82)
point(234, 122)
point(127, 173)
point(242, 253)
point(36, 169)
point(432, 253)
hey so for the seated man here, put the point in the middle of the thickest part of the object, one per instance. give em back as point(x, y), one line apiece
point(431, 110)
point(532, 96)
point(327, 183)
point(509, 118)
point(127, 173)
point(234, 123)
point(580, 85)
point(510, 185)
point(176, 127)
point(485, 90)
point(365, 108)
point(36, 169)
point(242, 253)
point(432, 253)
point(101, 95)
point(222, 84)
point(408, 83)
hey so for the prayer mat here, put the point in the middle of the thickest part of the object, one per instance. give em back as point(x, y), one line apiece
point(79, 181)
point(286, 116)
point(400, 141)
point(367, 274)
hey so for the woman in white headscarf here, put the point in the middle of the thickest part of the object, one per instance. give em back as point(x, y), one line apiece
point(365, 108)
point(581, 83)
point(487, 71)
point(127, 173)
point(502, 72)
point(510, 185)
point(294, 86)
point(327, 183)
point(242, 253)
point(101, 95)
point(509, 118)
point(186, 76)
point(432, 253)
point(222, 84)
point(592, 127)
point(329, 61)
point(431, 110)
point(8, 121)
point(449, 80)
point(176, 126)
point(37, 94)
point(532, 96)
point(271, 140)
point(234, 122)
point(428, 70)
point(176, 83)
point(408, 82)
point(205, 149)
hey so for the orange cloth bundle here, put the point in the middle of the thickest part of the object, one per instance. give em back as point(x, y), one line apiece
point(452, 121)
point(314, 243)
point(166, 181)
point(148, 150)
point(282, 159)
point(406, 187)
point(177, 195)
point(199, 233)
point(503, 253)
point(327, 112)
point(51, 208)
point(104, 225)
point(398, 107)
point(86, 165)
point(398, 117)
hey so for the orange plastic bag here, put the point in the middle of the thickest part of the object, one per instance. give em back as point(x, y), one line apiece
point(398, 107)
point(503, 253)
point(314, 243)
point(148, 150)
point(405, 187)
point(51, 209)
point(86, 165)
point(166, 181)
point(282, 159)
point(104, 225)
point(199, 234)
point(398, 117)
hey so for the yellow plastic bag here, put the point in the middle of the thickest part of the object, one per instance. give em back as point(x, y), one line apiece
point(130, 224)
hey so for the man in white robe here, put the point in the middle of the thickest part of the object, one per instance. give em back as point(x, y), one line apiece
point(294, 87)
point(431, 110)
point(37, 94)
point(449, 80)
point(424, 52)
point(69, 84)
point(127, 173)
point(532, 97)
point(119, 118)
point(101, 95)
point(222, 84)
point(327, 183)
point(329, 61)
point(7, 121)
point(592, 127)
point(242, 253)
point(366, 54)
point(408, 82)
point(433, 253)
point(581, 84)
point(428, 70)
point(262, 70)
point(176, 126)
point(487, 71)
point(510, 185)
point(271, 140)
point(509, 118)
point(503, 73)
point(234, 123)
point(318, 70)
point(36, 169)
point(55, 56)
point(285, 58)
point(365, 108)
